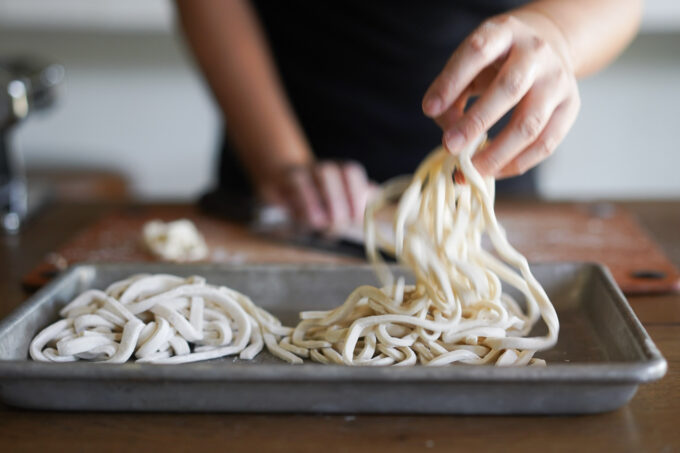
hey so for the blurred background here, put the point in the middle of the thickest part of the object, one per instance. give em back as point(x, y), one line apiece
point(134, 107)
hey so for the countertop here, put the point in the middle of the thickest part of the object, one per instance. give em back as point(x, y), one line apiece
point(650, 422)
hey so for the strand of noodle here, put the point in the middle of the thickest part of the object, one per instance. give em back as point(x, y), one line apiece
point(462, 313)
point(456, 311)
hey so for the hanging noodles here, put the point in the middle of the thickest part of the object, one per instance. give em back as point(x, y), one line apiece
point(455, 312)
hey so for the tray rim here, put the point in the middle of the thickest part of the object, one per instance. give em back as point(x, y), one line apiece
point(651, 368)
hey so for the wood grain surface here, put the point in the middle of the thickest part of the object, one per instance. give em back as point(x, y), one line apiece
point(649, 423)
point(599, 232)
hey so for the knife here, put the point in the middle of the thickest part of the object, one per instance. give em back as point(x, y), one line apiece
point(273, 222)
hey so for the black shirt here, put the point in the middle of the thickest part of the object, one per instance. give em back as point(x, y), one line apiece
point(356, 72)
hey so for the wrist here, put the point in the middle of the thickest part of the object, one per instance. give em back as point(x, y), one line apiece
point(549, 30)
point(269, 175)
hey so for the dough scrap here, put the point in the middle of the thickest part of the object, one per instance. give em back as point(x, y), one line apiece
point(178, 240)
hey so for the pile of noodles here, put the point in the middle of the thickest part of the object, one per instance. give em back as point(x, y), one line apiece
point(456, 310)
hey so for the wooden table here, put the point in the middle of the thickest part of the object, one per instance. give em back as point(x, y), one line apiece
point(651, 422)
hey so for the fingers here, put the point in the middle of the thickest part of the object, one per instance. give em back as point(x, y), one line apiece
point(528, 121)
point(304, 199)
point(329, 195)
point(510, 64)
point(485, 45)
point(480, 84)
point(449, 117)
point(554, 132)
point(513, 81)
point(357, 189)
point(329, 180)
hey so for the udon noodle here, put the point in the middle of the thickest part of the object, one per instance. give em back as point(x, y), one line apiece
point(456, 310)
point(156, 318)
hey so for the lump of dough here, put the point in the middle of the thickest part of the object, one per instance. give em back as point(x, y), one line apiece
point(178, 240)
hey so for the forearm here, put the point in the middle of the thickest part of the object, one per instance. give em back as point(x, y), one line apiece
point(593, 32)
point(230, 48)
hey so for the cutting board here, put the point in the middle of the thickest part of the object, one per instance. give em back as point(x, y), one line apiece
point(541, 231)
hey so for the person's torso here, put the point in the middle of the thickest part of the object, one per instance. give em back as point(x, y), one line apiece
point(356, 71)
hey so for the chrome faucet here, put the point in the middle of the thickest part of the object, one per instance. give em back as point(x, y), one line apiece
point(26, 86)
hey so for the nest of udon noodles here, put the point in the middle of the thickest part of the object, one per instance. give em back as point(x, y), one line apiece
point(457, 310)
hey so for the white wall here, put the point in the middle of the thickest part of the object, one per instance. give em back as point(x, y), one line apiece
point(626, 141)
point(131, 103)
point(134, 103)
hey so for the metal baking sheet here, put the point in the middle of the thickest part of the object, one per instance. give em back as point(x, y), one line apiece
point(603, 354)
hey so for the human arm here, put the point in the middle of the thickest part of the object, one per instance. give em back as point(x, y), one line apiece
point(231, 49)
point(529, 59)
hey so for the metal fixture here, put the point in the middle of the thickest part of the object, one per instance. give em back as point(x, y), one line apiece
point(26, 86)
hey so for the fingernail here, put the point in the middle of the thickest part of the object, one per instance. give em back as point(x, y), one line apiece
point(432, 105)
point(454, 141)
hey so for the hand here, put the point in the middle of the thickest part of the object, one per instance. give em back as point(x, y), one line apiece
point(326, 195)
point(508, 62)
